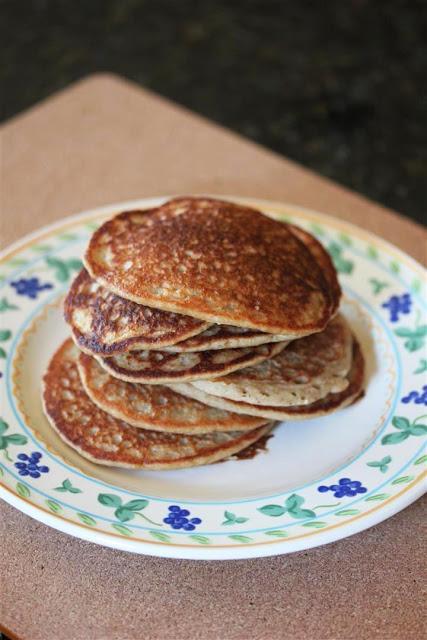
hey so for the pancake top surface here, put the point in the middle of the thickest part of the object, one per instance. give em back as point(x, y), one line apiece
point(103, 323)
point(154, 406)
point(307, 370)
point(214, 260)
point(324, 260)
point(107, 440)
point(158, 367)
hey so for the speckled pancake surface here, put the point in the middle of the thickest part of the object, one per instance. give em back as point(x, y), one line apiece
point(322, 258)
point(154, 406)
point(160, 367)
point(222, 336)
point(106, 440)
point(214, 260)
point(329, 404)
point(103, 323)
point(306, 371)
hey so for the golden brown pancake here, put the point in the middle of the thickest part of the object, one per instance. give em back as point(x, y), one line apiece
point(222, 336)
point(322, 258)
point(106, 440)
point(329, 404)
point(161, 367)
point(214, 260)
point(306, 371)
point(105, 324)
point(155, 407)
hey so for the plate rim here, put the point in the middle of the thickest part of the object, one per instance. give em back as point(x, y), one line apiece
point(219, 552)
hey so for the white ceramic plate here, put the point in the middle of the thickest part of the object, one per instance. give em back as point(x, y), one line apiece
point(319, 481)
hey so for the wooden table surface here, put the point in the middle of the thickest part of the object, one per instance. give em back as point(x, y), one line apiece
point(105, 140)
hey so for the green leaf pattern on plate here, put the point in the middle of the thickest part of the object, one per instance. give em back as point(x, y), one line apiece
point(62, 269)
point(5, 305)
point(342, 264)
point(422, 366)
point(416, 285)
point(403, 480)
point(231, 518)
point(414, 338)
point(381, 465)
point(277, 533)
point(67, 486)
point(68, 237)
point(121, 528)
point(377, 285)
point(41, 248)
point(347, 512)
point(159, 535)
point(5, 335)
point(16, 262)
point(22, 490)
point(199, 538)
point(6, 440)
point(376, 497)
point(405, 430)
point(54, 506)
point(240, 538)
point(86, 519)
point(317, 230)
point(128, 510)
point(345, 239)
point(292, 507)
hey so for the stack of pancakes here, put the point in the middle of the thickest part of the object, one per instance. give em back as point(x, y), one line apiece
point(195, 325)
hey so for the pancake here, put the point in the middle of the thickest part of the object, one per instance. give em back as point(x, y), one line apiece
point(214, 260)
point(106, 440)
point(105, 324)
point(329, 404)
point(222, 336)
point(303, 373)
point(325, 261)
point(156, 407)
point(160, 367)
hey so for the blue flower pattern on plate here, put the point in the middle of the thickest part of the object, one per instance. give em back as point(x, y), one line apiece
point(346, 488)
point(177, 518)
point(397, 305)
point(419, 397)
point(30, 287)
point(29, 465)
